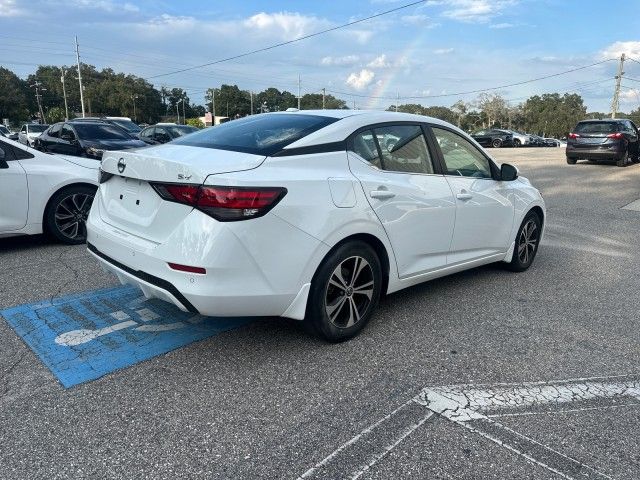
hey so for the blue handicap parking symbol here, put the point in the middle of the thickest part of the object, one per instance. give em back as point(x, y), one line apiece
point(85, 336)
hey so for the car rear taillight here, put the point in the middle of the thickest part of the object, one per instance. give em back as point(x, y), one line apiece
point(617, 136)
point(225, 204)
point(187, 268)
point(573, 135)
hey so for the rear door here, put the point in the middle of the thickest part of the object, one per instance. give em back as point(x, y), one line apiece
point(412, 200)
point(485, 211)
point(14, 192)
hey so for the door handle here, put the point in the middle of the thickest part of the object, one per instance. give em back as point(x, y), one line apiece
point(464, 195)
point(381, 194)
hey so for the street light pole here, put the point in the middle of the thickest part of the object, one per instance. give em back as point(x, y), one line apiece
point(64, 94)
point(80, 76)
point(135, 115)
point(184, 116)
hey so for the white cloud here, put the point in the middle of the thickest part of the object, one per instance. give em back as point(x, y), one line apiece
point(443, 51)
point(631, 95)
point(284, 24)
point(476, 11)
point(104, 5)
point(616, 49)
point(379, 62)
point(419, 20)
point(361, 79)
point(499, 26)
point(340, 61)
point(8, 8)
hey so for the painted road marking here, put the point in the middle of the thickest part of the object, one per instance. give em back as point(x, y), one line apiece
point(635, 206)
point(475, 408)
point(84, 336)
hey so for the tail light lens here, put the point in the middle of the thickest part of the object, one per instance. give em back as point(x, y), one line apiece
point(573, 135)
point(617, 136)
point(225, 204)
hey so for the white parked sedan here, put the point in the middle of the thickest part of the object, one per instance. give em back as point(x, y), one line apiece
point(309, 215)
point(29, 132)
point(40, 192)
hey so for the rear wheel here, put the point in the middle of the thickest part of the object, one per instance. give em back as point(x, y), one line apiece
point(571, 161)
point(66, 215)
point(527, 241)
point(517, 143)
point(496, 143)
point(344, 292)
point(625, 160)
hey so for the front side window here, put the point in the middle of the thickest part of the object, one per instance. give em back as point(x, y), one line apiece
point(55, 130)
point(460, 156)
point(67, 133)
point(263, 134)
point(147, 133)
point(364, 145)
point(404, 149)
point(23, 129)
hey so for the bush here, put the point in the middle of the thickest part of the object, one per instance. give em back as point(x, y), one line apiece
point(195, 122)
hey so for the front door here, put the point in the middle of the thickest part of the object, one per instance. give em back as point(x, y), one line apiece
point(14, 194)
point(414, 203)
point(485, 210)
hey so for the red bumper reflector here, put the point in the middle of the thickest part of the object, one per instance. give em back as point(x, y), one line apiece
point(187, 268)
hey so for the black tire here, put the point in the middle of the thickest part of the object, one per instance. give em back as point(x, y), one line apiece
point(529, 235)
point(66, 214)
point(571, 161)
point(517, 143)
point(625, 160)
point(338, 307)
point(496, 143)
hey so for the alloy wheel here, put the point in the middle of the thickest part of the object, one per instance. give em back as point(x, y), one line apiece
point(349, 292)
point(527, 242)
point(71, 215)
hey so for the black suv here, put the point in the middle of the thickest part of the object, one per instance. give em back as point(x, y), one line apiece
point(493, 137)
point(85, 139)
point(163, 133)
point(615, 139)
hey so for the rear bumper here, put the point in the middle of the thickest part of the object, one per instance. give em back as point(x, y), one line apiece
point(604, 152)
point(251, 270)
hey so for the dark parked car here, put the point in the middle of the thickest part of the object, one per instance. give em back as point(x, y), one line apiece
point(613, 140)
point(163, 133)
point(85, 139)
point(493, 137)
point(125, 123)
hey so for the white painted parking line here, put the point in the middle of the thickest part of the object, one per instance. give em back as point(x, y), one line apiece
point(120, 315)
point(635, 206)
point(475, 408)
point(147, 315)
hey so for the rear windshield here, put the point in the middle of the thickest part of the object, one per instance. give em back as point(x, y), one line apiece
point(128, 125)
point(598, 127)
point(263, 134)
point(99, 131)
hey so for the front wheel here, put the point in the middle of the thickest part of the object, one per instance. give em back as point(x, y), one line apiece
point(66, 216)
point(571, 161)
point(527, 241)
point(344, 292)
point(517, 143)
point(496, 143)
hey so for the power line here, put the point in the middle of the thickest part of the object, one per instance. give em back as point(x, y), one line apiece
point(477, 91)
point(289, 42)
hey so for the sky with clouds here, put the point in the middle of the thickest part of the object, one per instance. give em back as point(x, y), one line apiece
point(424, 54)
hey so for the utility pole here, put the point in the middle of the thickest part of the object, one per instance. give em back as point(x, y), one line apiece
point(135, 116)
point(64, 94)
point(397, 100)
point(298, 91)
point(80, 76)
point(251, 95)
point(323, 94)
point(616, 94)
point(184, 116)
point(178, 111)
point(37, 86)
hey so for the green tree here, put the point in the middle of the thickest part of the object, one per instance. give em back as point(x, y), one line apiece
point(14, 104)
point(552, 114)
point(195, 122)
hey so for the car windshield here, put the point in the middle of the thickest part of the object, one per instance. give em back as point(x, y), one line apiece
point(180, 130)
point(38, 128)
point(100, 131)
point(263, 134)
point(597, 127)
point(128, 125)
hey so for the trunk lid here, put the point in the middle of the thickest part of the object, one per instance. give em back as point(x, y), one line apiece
point(129, 202)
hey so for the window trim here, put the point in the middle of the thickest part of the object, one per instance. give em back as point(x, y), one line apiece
point(437, 167)
point(495, 171)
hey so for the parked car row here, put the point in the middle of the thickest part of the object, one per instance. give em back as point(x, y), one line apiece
point(498, 137)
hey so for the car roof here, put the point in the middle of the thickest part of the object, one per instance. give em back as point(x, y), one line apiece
point(604, 120)
point(351, 120)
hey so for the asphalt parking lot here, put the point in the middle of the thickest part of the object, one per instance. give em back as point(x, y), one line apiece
point(485, 374)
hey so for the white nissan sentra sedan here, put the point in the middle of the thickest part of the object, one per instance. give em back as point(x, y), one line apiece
point(309, 215)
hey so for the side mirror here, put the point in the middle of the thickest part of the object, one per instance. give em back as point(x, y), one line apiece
point(508, 172)
point(3, 161)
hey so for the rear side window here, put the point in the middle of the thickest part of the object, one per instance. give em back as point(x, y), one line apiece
point(364, 145)
point(404, 149)
point(263, 134)
point(598, 127)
